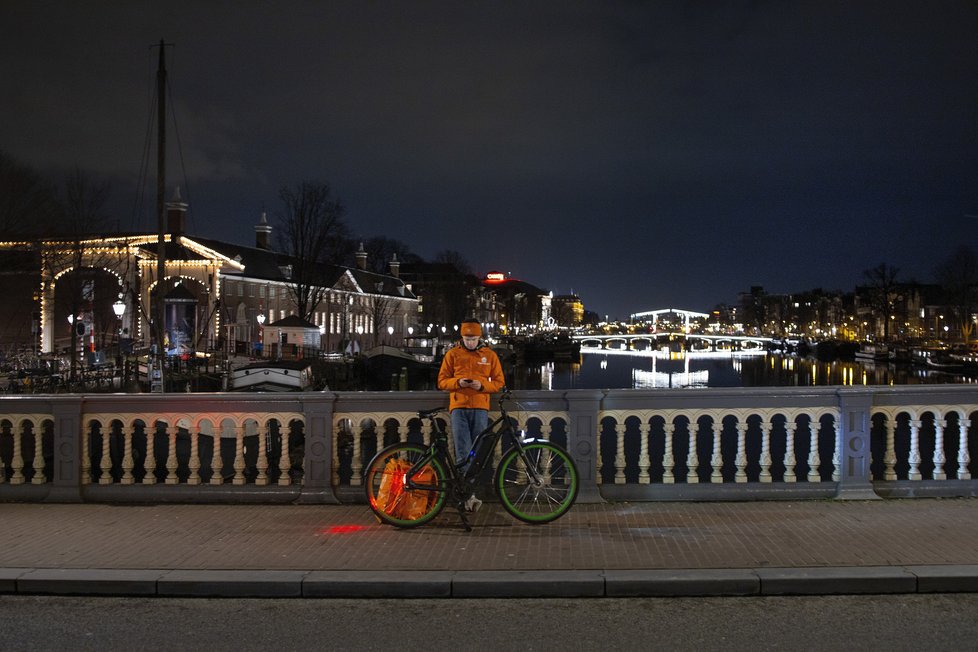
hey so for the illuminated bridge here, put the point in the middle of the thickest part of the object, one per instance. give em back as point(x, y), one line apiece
point(674, 341)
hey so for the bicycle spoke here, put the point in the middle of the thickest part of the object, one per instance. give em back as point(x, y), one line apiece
point(538, 484)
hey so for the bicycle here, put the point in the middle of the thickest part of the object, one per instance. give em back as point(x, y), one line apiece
point(408, 484)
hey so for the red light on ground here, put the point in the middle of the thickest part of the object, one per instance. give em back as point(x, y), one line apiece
point(345, 529)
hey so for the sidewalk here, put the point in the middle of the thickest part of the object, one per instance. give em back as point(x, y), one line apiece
point(750, 548)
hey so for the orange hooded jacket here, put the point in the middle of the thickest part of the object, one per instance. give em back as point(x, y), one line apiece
point(481, 364)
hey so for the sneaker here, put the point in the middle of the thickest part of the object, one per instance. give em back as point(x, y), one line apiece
point(472, 504)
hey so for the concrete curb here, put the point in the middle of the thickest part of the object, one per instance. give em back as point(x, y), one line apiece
point(489, 584)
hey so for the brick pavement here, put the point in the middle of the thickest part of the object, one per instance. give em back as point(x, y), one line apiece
point(610, 537)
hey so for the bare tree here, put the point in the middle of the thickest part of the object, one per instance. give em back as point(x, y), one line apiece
point(883, 293)
point(380, 250)
point(28, 203)
point(81, 207)
point(382, 309)
point(455, 259)
point(958, 277)
point(312, 234)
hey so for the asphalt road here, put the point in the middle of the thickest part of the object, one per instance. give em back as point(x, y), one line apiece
point(892, 623)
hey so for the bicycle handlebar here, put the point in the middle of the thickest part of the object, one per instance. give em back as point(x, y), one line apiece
point(504, 395)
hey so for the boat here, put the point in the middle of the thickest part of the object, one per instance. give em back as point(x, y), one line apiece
point(558, 347)
point(273, 376)
point(391, 368)
point(927, 355)
point(873, 353)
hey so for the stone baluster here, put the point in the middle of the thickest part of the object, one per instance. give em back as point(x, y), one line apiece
point(105, 463)
point(814, 458)
point(171, 454)
point(127, 461)
point(716, 458)
point(17, 461)
point(262, 463)
point(546, 430)
point(620, 452)
point(403, 430)
point(837, 450)
point(914, 457)
point(285, 462)
point(668, 460)
point(889, 457)
point(149, 463)
point(86, 461)
point(239, 458)
point(40, 477)
point(338, 430)
point(426, 432)
point(193, 464)
point(789, 451)
point(939, 458)
point(963, 457)
point(644, 429)
point(741, 459)
point(378, 436)
point(217, 462)
point(3, 467)
point(692, 457)
point(765, 459)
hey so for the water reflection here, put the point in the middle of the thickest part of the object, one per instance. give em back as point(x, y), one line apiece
point(651, 370)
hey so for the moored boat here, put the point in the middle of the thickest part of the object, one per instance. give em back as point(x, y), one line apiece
point(273, 376)
point(873, 352)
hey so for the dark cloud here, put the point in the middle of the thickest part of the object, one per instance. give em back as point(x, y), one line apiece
point(640, 154)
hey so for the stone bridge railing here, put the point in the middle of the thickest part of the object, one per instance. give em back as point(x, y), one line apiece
point(716, 444)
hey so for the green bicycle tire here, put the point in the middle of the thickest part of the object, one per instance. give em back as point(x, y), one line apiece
point(378, 476)
point(543, 502)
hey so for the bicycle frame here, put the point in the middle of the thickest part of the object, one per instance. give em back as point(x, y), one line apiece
point(463, 483)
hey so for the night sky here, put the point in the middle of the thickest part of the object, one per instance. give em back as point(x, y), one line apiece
point(641, 154)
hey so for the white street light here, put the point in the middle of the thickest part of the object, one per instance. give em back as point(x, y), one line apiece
point(119, 308)
point(261, 318)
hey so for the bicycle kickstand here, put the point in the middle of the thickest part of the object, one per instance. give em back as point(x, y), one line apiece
point(460, 507)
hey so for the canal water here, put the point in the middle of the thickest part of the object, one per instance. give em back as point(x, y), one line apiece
point(651, 370)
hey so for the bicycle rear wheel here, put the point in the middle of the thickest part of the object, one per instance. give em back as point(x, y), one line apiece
point(539, 487)
point(390, 500)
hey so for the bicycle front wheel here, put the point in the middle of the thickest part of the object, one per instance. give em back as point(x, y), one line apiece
point(391, 500)
point(538, 486)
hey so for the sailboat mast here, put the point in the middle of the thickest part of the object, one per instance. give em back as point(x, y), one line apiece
point(159, 313)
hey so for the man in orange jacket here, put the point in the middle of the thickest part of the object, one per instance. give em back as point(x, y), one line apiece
point(470, 372)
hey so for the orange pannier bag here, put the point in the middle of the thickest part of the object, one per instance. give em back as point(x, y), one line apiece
point(403, 503)
point(417, 502)
point(392, 485)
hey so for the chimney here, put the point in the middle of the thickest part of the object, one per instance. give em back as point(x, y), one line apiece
point(395, 266)
point(361, 257)
point(263, 232)
point(176, 214)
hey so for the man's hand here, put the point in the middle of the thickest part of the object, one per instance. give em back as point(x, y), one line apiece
point(468, 382)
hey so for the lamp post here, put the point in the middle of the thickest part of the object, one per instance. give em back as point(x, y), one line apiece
point(119, 308)
point(261, 331)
